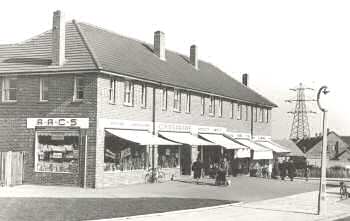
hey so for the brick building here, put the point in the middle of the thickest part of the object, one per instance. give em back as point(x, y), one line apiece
point(88, 107)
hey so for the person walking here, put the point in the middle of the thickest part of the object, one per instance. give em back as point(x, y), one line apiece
point(197, 170)
point(291, 170)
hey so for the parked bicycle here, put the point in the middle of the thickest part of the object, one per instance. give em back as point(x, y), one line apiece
point(154, 175)
point(343, 190)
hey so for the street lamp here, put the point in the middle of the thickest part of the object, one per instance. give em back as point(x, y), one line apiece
point(321, 209)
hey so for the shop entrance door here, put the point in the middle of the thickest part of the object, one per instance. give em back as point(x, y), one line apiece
point(185, 160)
point(11, 168)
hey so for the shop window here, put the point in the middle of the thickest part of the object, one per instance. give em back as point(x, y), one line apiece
point(203, 105)
point(57, 152)
point(211, 108)
point(188, 102)
point(9, 90)
point(239, 111)
point(168, 157)
point(220, 107)
point(164, 99)
point(78, 88)
point(143, 95)
point(112, 90)
point(44, 89)
point(128, 93)
point(121, 155)
point(232, 109)
point(177, 100)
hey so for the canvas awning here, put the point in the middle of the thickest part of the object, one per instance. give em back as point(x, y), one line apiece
point(273, 146)
point(185, 138)
point(140, 136)
point(223, 141)
point(260, 152)
point(242, 153)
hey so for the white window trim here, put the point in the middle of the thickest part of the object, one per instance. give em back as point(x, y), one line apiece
point(220, 107)
point(42, 89)
point(75, 91)
point(112, 93)
point(246, 112)
point(131, 92)
point(164, 99)
point(203, 105)
point(239, 111)
point(144, 95)
point(3, 90)
point(177, 93)
point(212, 105)
point(188, 103)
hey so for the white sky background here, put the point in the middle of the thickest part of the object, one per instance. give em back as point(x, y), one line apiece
point(278, 43)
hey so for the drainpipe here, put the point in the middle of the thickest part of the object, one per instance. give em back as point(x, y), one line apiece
point(153, 123)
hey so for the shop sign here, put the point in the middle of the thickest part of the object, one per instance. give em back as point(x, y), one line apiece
point(58, 122)
point(57, 155)
point(173, 127)
point(125, 124)
point(262, 138)
point(214, 130)
point(238, 135)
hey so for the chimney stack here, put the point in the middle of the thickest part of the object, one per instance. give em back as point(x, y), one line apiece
point(159, 44)
point(58, 39)
point(245, 79)
point(194, 56)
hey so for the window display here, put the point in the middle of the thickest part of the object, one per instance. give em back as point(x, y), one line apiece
point(168, 157)
point(57, 152)
point(122, 155)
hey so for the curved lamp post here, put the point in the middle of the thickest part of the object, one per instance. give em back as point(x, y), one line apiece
point(321, 209)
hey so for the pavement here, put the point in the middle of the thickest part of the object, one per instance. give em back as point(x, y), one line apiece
point(295, 207)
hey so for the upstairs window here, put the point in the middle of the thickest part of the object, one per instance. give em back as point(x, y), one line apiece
point(203, 105)
point(232, 109)
point(220, 107)
point(177, 100)
point(255, 114)
point(260, 115)
point(78, 88)
point(112, 90)
point(268, 116)
point(211, 108)
point(239, 111)
point(9, 90)
point(247, 112)
point(188, 102)
point(128, 93)
point(143, 95)
point(44, 89)
point(164, 99)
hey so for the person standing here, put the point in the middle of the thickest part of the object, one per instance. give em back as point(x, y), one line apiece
point(307, 172)
point(197, 170)
point(283, 169)
point(291, 170)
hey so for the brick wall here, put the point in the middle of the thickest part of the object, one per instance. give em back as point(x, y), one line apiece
point(16, 137)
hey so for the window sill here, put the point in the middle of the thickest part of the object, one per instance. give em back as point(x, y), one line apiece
point(40, 102)
point(177, 111)
point(9, 102)
point(128, 105)
point(78, 101)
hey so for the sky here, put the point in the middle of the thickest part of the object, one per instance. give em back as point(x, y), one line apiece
point(278, 43)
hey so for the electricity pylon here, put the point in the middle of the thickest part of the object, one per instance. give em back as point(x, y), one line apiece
point(300, 126)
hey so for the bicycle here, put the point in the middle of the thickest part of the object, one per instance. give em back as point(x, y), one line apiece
point(343, 190)
point(154, 175)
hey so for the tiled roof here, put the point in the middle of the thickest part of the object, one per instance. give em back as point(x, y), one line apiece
point(91, 48)
point(307, 144)
point(294, 149)
point(346, 139)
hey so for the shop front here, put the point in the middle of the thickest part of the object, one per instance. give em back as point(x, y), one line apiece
point(59, 150)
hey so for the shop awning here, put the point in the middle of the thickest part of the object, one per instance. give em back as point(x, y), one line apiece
point(242, 153)
point(140, 136)
point(272, 146)
point(185, 138)
point(223, 141)
point(260, 152)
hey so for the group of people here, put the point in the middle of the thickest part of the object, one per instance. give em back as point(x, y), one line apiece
point(219, 171)
point(287, 168)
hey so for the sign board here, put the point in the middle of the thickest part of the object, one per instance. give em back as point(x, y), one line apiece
point(174, 127)
point(213, 130)
point(261, 138)
point(125, 124)
point(58, 122)
point(238, 135)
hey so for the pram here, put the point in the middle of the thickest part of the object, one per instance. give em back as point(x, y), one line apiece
point(220, 178)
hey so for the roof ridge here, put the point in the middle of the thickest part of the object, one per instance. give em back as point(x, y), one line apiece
point(86, 43)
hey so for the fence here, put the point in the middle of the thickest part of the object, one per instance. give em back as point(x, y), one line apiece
point(332, 172)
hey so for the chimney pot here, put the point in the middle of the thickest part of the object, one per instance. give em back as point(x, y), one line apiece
point(159, 44)
point(245, 79)
point(194, 56)
point(58, 39)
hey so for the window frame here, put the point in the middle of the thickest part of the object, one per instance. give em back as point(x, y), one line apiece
point(164, 99)
point(260, 115)
point(211, 106)
point(268, 116)
point(255, 113)
point(41, 80)
point(239, 112)
point(128, 93)
point(220, 107)
point(177, 95)
point(247, 112)
point(75, 91)
point(232, 110)
point(188, 103)
point(3, 90)
point(112, 92)
point(143, 95)
point(203, 105)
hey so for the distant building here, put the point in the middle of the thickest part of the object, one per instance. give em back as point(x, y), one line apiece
point(337, 150)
